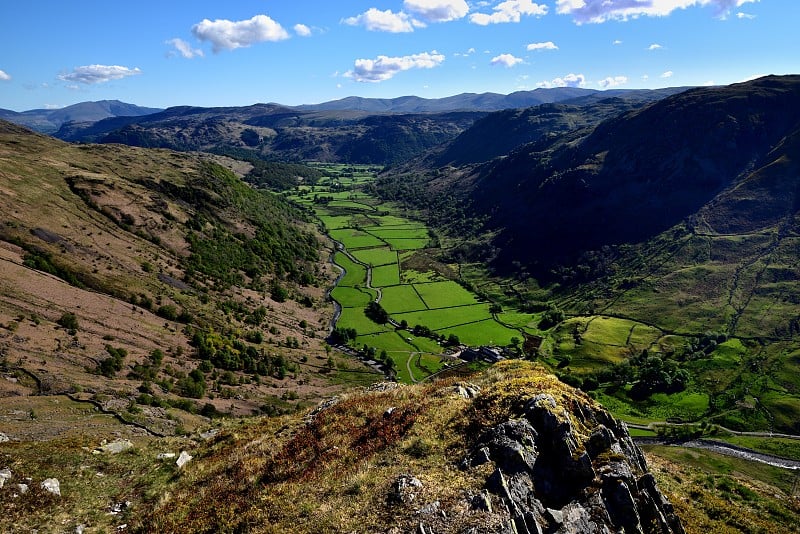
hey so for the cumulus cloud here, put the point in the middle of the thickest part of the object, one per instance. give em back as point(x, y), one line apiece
point(597, 11)
point(570, 80)
point(437, 10)
point(655, 46)
point(184, 49)
point(612, 81)
point(505, 60)
point(667, 74)
point(229, 35)
point(740, 15)
point(509, 11)
point(4, 76)
point(549, 45)
point(89, 74)
point(384, 67)
point(617, 42)
point(384, 21)
point(302, 30)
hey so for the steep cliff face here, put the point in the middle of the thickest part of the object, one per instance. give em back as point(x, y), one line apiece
point(511, 451)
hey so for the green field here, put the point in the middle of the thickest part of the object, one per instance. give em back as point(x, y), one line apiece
point(438, 319)
point(401, 298)
point(351, 297)
point(412, 232)
point(398, 243)
point(355, 274)
point(444, 294)
point(486, 332)
point(376, 256)
point(353, 239)
point(386, 275)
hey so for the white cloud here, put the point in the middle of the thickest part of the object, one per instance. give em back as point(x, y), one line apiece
point(667, 74)
point(747, 16)
point(4, 76)
point(437, 10)
point(549, 45)
point(302, 30)
point(384, 67)
point(53, 106)
point(570, 80)
point(384, 21)
point(645, 77)
point(506, 60)
point(612, 81)
point(89, 74)
point(229, 35)
point(655, 46)
point(597, 11)
point(617, 42)
point(509, 11)
point(184, 48)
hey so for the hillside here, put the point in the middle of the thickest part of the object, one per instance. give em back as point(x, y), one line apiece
point(274, 132)
point(155, 284)
point(510, 450)
point(668, 232)
point(50, 120)
point(499, 133)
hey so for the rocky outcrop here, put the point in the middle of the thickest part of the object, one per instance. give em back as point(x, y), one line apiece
point(550, 476)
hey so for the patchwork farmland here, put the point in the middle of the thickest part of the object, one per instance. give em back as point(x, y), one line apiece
point(429, 314)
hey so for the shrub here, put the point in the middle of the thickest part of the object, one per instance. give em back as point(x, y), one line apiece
point(69, 321)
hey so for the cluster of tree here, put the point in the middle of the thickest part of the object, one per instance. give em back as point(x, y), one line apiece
point(342, 336)
point(148, 370)
point(110, 366)
point(375, 312)
point(232, 354)
point(170, 312)
point(421, 330)
point(276, 246)
point(648, 374)
point(282, 176)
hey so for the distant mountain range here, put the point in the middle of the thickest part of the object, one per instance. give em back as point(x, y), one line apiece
point(350, 130)
point(50, 120)
point(487, 101)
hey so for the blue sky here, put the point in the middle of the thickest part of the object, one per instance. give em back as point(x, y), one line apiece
point(55, 53)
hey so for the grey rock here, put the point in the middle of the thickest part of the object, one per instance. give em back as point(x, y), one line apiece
point(467, 390)
point(4, 437)
point(165, 456)
point(5, 474)
point(23, 488)
point(511, 445)
point(482, 501)
point(209, 433)
point(116, 446)
point(183, 459)
point(405, 488)
point(52, 485)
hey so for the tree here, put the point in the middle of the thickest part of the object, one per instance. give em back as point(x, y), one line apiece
point(69, 321)
point(375, 312)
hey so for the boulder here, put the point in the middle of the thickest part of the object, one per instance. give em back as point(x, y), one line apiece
point(183, 459)
point(5, 474)
point(116, 446)
point(52, 485)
